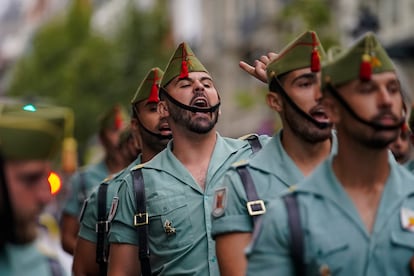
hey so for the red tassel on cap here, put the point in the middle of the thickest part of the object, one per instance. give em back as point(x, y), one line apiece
point(315, 58)
point(315, 61)
point(365, 69)
point(118, 122)
point(153, 97)
point(184, 65)
point(184, 70)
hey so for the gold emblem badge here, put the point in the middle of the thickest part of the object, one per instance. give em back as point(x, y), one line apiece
point(168, 228)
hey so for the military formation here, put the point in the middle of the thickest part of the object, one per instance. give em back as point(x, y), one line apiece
point(330, 193)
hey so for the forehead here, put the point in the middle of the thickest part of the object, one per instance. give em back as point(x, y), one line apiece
point(27, 165)
point(193, 76)
point(380, 78)
point(299, 72)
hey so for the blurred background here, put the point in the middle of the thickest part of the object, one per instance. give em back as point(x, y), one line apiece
point(89, 54)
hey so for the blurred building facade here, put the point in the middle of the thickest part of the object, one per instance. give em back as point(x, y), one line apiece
point(222, 33)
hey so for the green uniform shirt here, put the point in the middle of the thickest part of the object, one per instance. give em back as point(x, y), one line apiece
point(335, 238)
point(17, 260)
point(82, 184)
point(272, 171)
point(179, 211)
point(89, 217)
point(409, 165)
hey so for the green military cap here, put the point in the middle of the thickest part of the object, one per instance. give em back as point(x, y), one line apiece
point(114, 118)
point(360, 61)
point(305, 51)
point(28, 132)
point(148, 89)
point(181, 63)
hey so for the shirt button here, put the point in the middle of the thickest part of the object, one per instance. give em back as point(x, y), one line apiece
point(205, 197)
point(213, 260)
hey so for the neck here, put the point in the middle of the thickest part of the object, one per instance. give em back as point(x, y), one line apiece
point(192, 147)
point(147, 154)
point(113, 164)
point(306, 155)
point(358, 167)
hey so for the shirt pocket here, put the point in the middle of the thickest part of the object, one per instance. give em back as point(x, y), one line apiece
point(401, 251)
point(330, 250)
point(169, 222)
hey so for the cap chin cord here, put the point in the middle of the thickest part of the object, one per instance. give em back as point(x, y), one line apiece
point(157, 135)
point(187, 107)
point(276, 86)
point(374, 125)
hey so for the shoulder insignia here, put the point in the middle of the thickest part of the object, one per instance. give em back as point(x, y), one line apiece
point(239, 163)
point(139, 166)
point(220, 202)
point(114, 207)
point(248, 136)
point(407, 219)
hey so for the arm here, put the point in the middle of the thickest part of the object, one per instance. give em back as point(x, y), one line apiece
point(123, 260)
point(230, 253)
point(84, 262)
point(258, 70)
point(69, 228)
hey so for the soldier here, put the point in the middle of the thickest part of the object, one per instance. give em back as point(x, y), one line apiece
point(169, 223)
point(149, 130)
point(293, 153)
point(354, 214)
point(29, 140)
point(128, 146)
point(83, 182)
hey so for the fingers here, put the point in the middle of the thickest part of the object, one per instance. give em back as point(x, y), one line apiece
point(246, 67)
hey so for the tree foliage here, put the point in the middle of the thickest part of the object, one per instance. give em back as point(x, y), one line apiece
point(68, 64)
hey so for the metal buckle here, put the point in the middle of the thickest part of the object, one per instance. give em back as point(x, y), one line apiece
point(101, 223)
point(140, 219)
point(256, 207)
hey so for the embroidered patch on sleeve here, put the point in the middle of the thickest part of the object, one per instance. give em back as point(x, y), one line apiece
point(114, 207)
point(407, 219)
point(220, 201)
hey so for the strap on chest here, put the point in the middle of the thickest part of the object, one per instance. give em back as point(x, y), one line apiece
point(102, 229)
point(141, 221)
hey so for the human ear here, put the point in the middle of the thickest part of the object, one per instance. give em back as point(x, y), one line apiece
point(274, 101)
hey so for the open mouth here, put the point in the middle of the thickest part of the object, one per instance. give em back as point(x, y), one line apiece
point(164, 129)
point(320, 115)
point(200, 102)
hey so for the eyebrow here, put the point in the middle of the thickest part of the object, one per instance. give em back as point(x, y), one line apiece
point(305, 76)
point(192, 80)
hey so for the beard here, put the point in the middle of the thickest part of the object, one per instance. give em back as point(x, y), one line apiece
point(303, 128)
point(199, 125)
point(377, 139)
point(152, 142)
point(25, 230)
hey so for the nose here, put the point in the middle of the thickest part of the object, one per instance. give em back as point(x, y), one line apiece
point(43, 192)
point(384, 96)
point(198, 86)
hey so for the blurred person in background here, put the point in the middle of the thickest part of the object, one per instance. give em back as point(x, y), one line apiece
point(84, 181)
point(29, 140)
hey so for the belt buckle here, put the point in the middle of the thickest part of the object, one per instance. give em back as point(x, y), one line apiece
point(103, 223)
point(252, 207)
point(140, 219)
